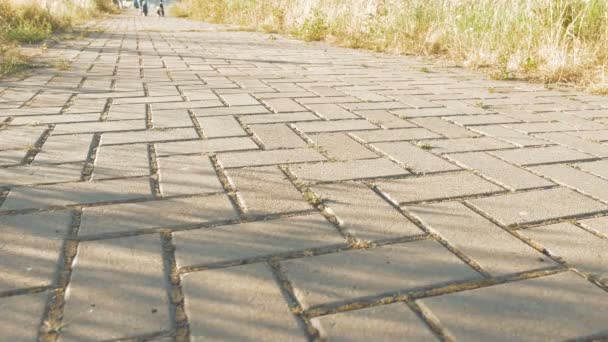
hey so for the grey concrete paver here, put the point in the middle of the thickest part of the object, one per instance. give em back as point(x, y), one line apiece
point(381, 323)
point(537, 309)
point(494, 249)
point(254, 239)
point(353, 274)
point(549, 204)
point(184, 181)
point(239, 303)
point(135, 304)
point(363, 213)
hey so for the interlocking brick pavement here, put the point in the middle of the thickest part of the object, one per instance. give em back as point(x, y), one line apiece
point(186, 181)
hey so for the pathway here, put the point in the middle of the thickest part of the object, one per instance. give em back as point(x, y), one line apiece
point(182, 180)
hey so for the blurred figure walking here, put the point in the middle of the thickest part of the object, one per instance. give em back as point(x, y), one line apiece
point(160, 11)
point(144, 7)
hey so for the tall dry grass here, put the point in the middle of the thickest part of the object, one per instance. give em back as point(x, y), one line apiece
point(549, 40)
point(29, 23)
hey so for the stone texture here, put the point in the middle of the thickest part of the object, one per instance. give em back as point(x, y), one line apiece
point(255, 158)
point(441, 146)
point(517, 208)
point(266, 190)
point(494, 249)
point(40, 174)
point(342, 147)
point(598, 224)
point(509, 135)
point(577, 247)
point(396, 135)
point(275, 136)
point(184, 175)
point(77, 193)
point(135, 304)
point(445, 128)
point(577, 143)
point(205, 146)
point(330, 111)
point(415, 158)
point(21, 316)
point(541, 155)
point(385, 119)
point(334, 126)
point(510, 176)
point(174, 212)
point(539, 309)
point(391, 322)
point(575, 179)
point(363, 213)
point(254, 239)
point(31, 248)
point(354, 169)
point(221, 126)
point(354, 274)
point(121, 161)
point(239, 303)
point(435, 187)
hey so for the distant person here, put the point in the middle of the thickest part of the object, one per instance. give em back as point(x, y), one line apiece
point(160, 11)
point(136, 4)
point(144, 7)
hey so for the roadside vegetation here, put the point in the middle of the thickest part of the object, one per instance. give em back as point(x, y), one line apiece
point(552, 41)
point(30, 23)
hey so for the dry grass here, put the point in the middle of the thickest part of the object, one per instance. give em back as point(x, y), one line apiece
point(554, 41)
point(30, 23)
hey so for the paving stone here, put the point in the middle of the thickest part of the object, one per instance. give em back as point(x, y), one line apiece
point(333, 99)
point(575, 122)
point(374, 105)
point(54, 119)
point(21, 316)
point(156, 214)
point(416, 102)
point(252, 306)
point(258, 158)
point(95, 127)
point(205, 146)
point(64, 149)
point(424, 112)
point(364, 213)
point(593, 135)
point(539, 309)
point(380, 323)
point(121, 161)
point(577, 247)
point(444, 128)
point(415, 158)
point(540, 127)
point(334, 126)
point(341, 146)
point(472, 120)
point(396, 135)
point(541, 155)
point(331, 111)
point(435, 187)
point(284, 105)
point(494, 249)
point(77, 193)
point(599, 224)
point(266, 190)
point(97, 311)
point(40, 174)
point(31, 248)
point(239, 110)
point(171, 119)
point(275, 136)
point(254, 239)
point(152, 99)
point(515, 209)
point(441, 146)
point(184, 175)
point(589, 114)
point(510, 176)
point(354, 274)
point(276, 118)
point(385, 119)
point(354, 169)
point(12, 157)
point(576, 179)
point(576, 143)
point(149, 136)
point(224, 126)
point(509, 135)
point(243, 99)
